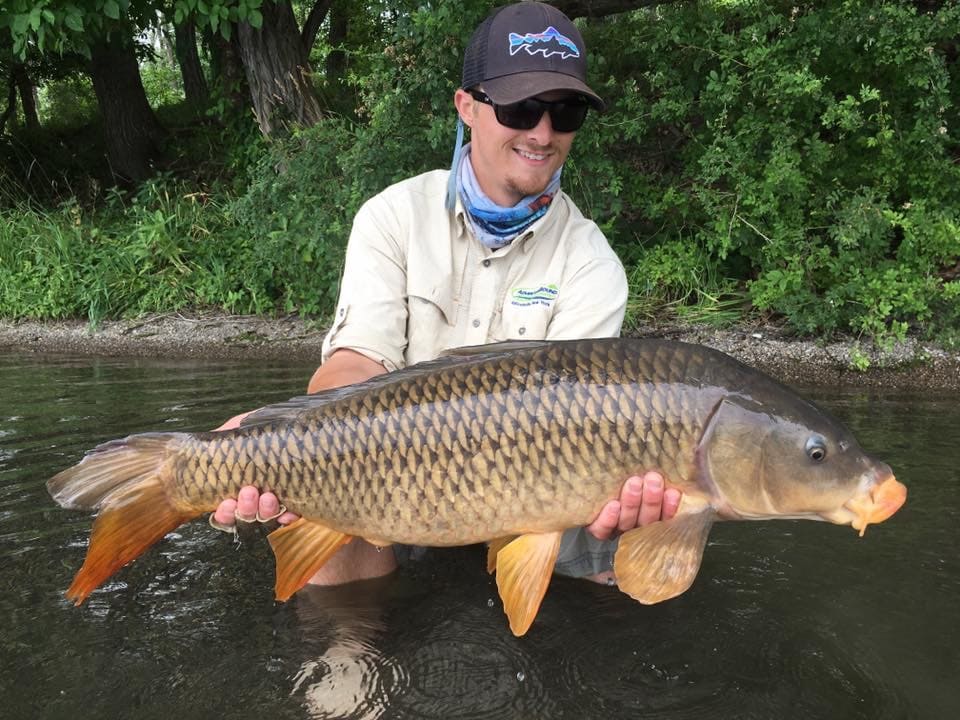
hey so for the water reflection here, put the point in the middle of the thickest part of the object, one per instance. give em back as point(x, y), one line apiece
point(347, 678)
point(786, 619)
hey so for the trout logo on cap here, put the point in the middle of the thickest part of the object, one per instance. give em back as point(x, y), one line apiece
point(549, 42)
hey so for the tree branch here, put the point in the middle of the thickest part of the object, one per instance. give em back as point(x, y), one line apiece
point(602, 8)
point(308, 36)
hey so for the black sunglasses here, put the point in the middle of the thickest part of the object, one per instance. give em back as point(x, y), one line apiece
point(566, 115)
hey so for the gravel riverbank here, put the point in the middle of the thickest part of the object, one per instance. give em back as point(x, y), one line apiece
point(912, 365)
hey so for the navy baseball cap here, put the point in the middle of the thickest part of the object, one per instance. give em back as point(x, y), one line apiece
point(526, 49)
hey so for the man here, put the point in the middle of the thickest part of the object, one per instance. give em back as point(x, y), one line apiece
point(492, 250)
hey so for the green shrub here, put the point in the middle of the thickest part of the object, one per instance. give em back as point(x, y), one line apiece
point(807, 151)
point(761, 156)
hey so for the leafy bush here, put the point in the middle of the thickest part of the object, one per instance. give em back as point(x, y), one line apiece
point(809, 151)
point(796, 160)
point(157, 250)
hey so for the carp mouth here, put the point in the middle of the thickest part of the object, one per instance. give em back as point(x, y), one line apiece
point(873, 504)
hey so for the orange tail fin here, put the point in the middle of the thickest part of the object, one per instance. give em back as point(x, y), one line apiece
point(131, 482)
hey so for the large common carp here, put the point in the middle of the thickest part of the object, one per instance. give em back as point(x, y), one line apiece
point(510, 443)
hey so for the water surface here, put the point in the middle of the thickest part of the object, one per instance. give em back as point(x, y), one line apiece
point(787, 619)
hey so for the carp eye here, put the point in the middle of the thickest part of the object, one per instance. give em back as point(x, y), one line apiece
point(816, 448)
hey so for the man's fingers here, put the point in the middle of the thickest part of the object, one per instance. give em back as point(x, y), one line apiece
point(671, 503)
point(224, 514)
point(248, 500)
point(602, 528)
point(233, 422)
point(631, 497)
point(269, 505)
point(652, 504)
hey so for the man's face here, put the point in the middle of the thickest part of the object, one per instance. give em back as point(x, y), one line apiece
point(511, 164)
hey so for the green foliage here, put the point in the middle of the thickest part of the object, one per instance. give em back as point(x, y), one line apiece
point(158, 249)
point(807, 151)
point(294, 223)
point(69, 102)
point(793, 160)
point(162, 83)
point(64, 25)
point(219, 15)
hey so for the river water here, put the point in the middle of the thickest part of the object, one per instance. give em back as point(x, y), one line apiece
point(787, 619)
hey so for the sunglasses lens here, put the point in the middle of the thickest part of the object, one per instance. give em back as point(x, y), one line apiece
point(524, 115)
point(520, 116)
point(568, 117)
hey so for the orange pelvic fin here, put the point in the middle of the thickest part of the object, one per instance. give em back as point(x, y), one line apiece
point(524, 567)
point(660, 561)
point(495, 546)
point(130, 481)
point(302, 548)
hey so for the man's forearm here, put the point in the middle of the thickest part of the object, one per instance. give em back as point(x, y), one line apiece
point(344, 367)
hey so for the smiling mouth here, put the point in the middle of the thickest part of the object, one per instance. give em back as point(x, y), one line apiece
point(531, 155)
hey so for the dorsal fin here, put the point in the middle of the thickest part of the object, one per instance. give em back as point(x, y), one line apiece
point(304, 405)
point(498, 348)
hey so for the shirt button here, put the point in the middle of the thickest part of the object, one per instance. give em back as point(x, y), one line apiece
point(522, 330)
point(486, 263)
point(476, 323)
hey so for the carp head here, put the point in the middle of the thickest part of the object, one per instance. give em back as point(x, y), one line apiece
point(774, 455)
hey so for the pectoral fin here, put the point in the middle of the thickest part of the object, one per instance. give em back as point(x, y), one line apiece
point(524, 567)
point(660, 561)
point(301, 548)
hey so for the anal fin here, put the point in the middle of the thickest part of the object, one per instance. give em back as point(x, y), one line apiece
point(524, 567)
point(660, 561)
point(302, 548)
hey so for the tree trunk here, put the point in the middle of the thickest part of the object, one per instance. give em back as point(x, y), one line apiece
point(28, 98)
point(278, 72)
point(131, 130)
point(226, 69)
point(11, 103)
point(337, 58)
point(194, 83)
point(162, 37)
point(311, 26)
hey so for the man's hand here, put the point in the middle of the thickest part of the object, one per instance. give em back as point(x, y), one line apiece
point(234, 422)
point(250, 505)
point(643, 500)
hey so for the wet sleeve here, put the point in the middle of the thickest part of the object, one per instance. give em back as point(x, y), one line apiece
point(371, 313)
point(591, 303)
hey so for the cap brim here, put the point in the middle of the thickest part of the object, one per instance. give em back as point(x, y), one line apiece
point(514, 88)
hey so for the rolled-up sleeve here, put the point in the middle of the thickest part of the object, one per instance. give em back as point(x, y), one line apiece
point(592, 302)
point(371, 313)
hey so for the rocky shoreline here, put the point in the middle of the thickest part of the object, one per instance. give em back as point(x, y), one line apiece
point(912, 365)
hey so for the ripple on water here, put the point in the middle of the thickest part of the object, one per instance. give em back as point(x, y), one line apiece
point(470, 675)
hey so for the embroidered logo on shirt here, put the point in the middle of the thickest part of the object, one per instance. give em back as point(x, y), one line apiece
point(527, 296)
point(549, 42)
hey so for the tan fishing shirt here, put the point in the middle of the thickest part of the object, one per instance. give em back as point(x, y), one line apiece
point(417, 282)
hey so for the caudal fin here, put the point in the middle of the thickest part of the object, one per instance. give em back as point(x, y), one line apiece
point(131, 482)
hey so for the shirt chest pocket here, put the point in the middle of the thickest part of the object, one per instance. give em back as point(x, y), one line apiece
point(431, 313)
point(521, 320)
